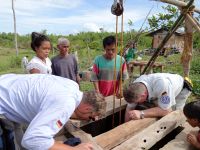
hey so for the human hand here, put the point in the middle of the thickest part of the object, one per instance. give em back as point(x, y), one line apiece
point(84, 146)
point(119, 95)
point(192, 139)
point(134, 114)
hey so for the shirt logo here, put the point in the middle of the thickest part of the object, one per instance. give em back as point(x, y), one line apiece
point(165, 99)
point(59, 124)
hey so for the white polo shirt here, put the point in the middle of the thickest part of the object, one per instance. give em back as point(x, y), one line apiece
point(162, 86)
point(45, 102)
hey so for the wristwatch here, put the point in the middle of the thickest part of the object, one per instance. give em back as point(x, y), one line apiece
point(141, 114)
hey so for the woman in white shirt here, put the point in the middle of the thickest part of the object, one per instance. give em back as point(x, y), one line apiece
point(40, 63)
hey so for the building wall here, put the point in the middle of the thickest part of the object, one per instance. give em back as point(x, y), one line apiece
point(174, 42)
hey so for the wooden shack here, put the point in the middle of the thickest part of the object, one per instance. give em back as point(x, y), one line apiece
point(175, 42)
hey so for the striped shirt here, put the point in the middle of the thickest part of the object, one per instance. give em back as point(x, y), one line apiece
point(103, 73)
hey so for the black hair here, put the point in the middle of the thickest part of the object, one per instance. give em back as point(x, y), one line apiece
point(192, 110)
point(37, 39)
point(109, 40)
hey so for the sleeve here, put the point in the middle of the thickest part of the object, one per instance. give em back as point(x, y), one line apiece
point(124, 70)
point(164, 92)
point(76, 64)
point(95, 71)
point(31, 66)
point(53, 67)
point(48, 122)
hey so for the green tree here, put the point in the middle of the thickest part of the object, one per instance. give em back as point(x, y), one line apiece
point(164, 20)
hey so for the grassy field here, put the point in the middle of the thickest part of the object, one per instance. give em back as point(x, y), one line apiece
point(9, 63)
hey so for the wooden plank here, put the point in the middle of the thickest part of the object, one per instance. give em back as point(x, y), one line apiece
point(121, 133)
point(109, 110)
point(152, 134)
point(85, 137)
point(180, 142)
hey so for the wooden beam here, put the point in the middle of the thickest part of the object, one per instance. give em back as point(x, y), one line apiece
point(178, 4)
point(85, 137)
point(152, 134)
point(116, 136)
point(193, 22)
point(180, 142)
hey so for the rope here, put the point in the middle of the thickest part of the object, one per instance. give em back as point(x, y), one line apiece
point(120, 83)
point(116, 43)
point(116, 52)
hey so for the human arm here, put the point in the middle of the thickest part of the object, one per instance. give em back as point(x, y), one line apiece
point(148, 113)
point(125, 75)
point(192, 139)
point(76, 69)
point(96, 86)
point(78, 79)
point(129, 108)
point(94, 75)
point(60, 146)
point(34, 70)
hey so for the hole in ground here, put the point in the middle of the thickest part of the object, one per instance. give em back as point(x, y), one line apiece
point(104, 125)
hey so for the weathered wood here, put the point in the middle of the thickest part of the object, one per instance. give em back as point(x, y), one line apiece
point(121, 133)
point(180, 142)
point(188, 47)
point(152, 134)
point(85, 137)
point(193, 22)
point(178, 4)
point(109, 110)
point(15, 28)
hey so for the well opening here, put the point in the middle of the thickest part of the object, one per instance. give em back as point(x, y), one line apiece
point(105, 124)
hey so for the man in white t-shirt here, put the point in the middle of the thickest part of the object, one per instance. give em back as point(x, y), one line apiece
point(155, 95)
point(45, 103)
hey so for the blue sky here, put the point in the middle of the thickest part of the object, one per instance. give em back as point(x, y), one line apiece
point(72, 16)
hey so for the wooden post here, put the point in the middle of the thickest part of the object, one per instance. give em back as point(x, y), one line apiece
point(193, 22)
point(15, 30)
point(178, 3)
point(188, 47)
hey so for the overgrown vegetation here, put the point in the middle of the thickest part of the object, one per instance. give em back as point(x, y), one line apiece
point(88, 45)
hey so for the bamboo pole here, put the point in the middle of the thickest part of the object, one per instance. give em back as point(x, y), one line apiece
point(15, 30)
point(193, 22)
point(178, 4)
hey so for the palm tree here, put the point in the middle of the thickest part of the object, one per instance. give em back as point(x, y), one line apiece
point(15, 31)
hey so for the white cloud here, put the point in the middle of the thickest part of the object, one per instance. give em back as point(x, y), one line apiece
point(71, 16)
point(91, 27)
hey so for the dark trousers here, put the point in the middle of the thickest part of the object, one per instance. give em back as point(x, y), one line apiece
point(6, 137)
